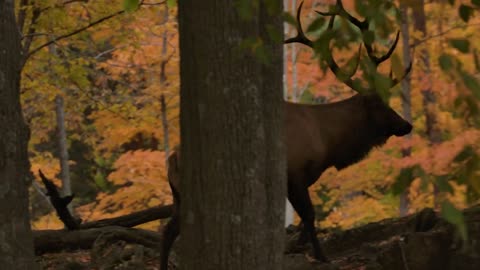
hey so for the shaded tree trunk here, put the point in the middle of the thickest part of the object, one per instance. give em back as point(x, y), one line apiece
point(233, 154)
point(429, 100)
point(16, 249)
point(406, 97)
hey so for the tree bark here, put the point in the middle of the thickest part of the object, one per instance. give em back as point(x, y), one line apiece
point(16, 248)
point(406, 97)
point(429, 100)
point(133, 219)
point(294, 54)
point(233, 154)
point(63, 148)
point(48, 241)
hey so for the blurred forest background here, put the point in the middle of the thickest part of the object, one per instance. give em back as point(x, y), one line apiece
point(113, 70)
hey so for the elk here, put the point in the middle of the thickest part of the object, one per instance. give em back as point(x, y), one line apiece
point(172, 229)
point(337, 134)
point(324, 135)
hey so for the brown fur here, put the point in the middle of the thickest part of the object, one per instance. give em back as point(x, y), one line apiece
point(172, 229)
point(320, 136)
point(337, 134)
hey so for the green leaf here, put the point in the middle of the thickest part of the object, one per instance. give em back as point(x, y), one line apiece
point(361, 8)
point(403, 181)
point(274, 34)
point(100, 181)
point(473, 166)
point(306, 97)
point(443, 184)
point(382, 85)
point(397, 66)
point(476, 3)
point(130, 5)
point(368, 37)
point(288, 18)
point(467, 152)
point(171, 3)
point(465, 12)
point(471, 83)
point(463, 45)
point(476, 60)
point(446, 62)
point(246, 8)
point(316, 24)
point(451, 2)
point(453, 215)
point(472, 105)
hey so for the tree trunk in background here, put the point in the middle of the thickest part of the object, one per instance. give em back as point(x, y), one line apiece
point(406, 97)
point(233, 171)
point(166, 144)
point(285, 54)
point(16, 248)
point(294, 54)
point(429, 101)
point(289, 213)
point(163, 79)
point(63, 148)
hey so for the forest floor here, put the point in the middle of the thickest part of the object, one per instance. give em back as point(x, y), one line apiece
point(417, 242)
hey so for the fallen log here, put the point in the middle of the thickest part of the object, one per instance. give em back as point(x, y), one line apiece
point(133, 219)
point(49, 241)
point(60, 203)
point(418, 242)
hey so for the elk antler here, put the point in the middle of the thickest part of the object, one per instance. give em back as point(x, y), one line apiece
point(342, 75)
point(363, 26)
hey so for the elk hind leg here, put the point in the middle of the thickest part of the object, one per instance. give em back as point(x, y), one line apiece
point(301, 202)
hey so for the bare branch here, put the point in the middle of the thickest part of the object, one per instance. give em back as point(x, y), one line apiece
point(22, 13)
point(64, 36)
point(30, 34)
point(73, 32)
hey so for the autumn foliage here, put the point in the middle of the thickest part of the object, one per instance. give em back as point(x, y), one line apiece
point(113, 73)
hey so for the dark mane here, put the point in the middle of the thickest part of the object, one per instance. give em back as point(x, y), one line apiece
point(355, 150)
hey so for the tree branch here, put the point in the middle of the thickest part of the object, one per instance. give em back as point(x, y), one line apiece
point(418, 42)
point(22, 13)
point(81, 28)
point(73, 33)
point(30, 34)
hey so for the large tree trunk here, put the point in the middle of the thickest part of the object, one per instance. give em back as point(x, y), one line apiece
point(233, 154)
point(16, 248)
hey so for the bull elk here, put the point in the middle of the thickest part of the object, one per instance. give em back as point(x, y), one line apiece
point(321, 136)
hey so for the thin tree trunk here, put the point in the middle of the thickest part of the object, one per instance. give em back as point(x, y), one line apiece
point(16, 248)
point(294, 54)
point(166, 144)
point(429, 100)
point(163, 76)
point(63, 149)
point(289, 213)
point(233, 154)
point(406, 97)
point(285, 55)
point(163, 79)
